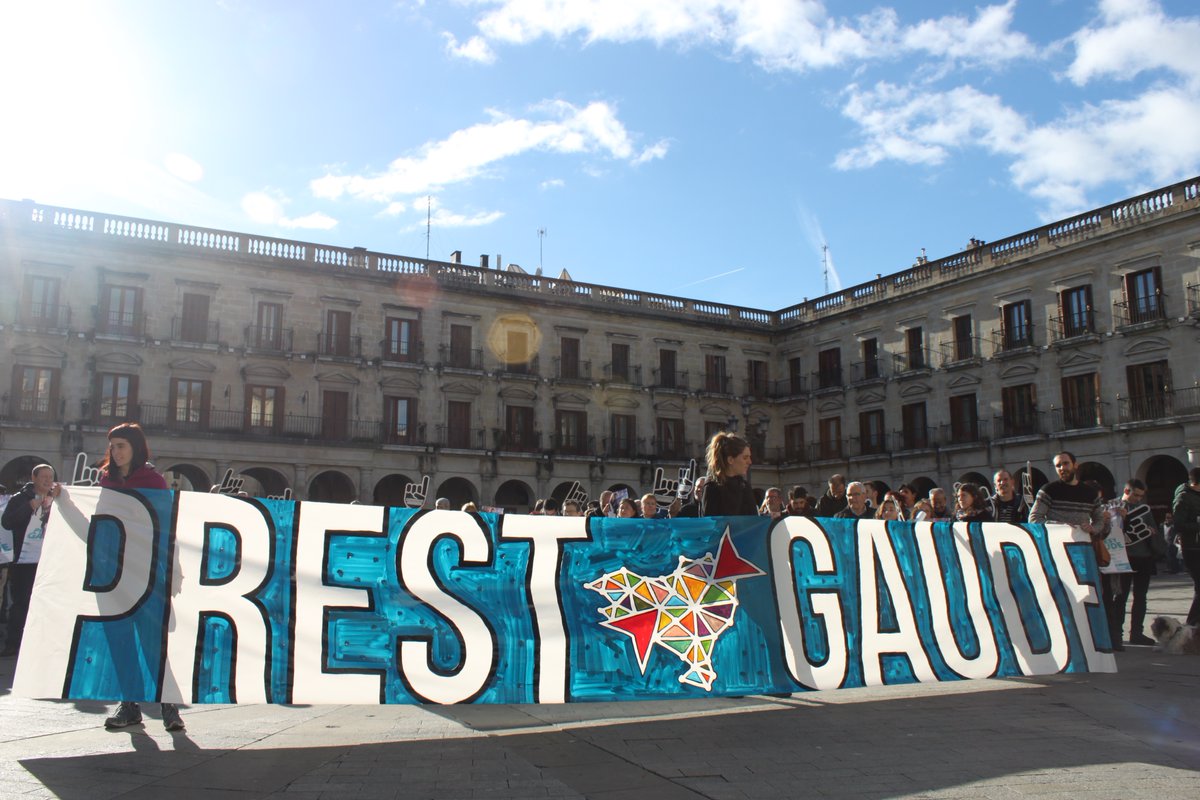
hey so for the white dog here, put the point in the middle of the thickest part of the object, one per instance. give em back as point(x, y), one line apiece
point(1174, 637)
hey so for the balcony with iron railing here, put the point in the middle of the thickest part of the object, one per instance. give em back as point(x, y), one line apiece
point(671, 449)
point(868, 370)
point(468, 358)
point(959, 353)
point(410, 435)
point(757, 388)
point(1075, 327)
point(790, 453)
point(912, 364)
point(572, 370)
point(237, 422)
point(872, 445)
point(43, 316)
point(530, 369)
point(963, 432)
point(461, 438)
point(827, 450)
point(623, 447)
point(1018, 425)
point(1147, 310)
point(33, 408)
point(395, 351)
point(627, 374)
point(914, 438)
point(517, 440)
point(830, 378)
point(1010, 340)
point(717, 383)
point(1077, 418)
point(794, 386)
point(573, 445)
point(1170, 404)
point(268, 339)
point(339, 345)
point(669, 379)
point(120, 323)
point(195, 331)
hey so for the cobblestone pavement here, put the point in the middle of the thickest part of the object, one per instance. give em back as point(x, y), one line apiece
point(1130, 735)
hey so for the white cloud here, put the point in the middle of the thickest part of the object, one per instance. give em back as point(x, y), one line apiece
point(779, 34)
point(552, 183)
point(439, 217)
point(265, 209)
point(1148, 139)
point(916, 126)
point(471, 152)
point(183, 167)
point(1135, 36)
point(474, 49)
point(653, 152)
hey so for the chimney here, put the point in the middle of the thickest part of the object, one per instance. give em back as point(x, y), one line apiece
point(483, 261)
point(456, 257)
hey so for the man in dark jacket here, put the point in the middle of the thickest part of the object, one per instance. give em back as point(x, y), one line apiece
point(26, 515)
point(856, 506)
point(1186, 511)
point(834, 499)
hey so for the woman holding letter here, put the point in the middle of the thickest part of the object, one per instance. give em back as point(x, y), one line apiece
point(127, 465)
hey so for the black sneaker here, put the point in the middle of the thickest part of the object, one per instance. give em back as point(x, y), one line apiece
point(170, 717)
point(127, 714)
point(1140, 638)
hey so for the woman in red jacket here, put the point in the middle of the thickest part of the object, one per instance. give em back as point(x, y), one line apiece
point(127, 466)
point(127, 463)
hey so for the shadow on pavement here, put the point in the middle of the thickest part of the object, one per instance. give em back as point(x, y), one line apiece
point(1039, 735)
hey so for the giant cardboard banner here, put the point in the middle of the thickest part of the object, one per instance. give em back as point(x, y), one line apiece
point(205, 598)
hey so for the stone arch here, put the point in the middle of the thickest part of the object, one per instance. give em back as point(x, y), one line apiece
point(458, 491)
point(19, 471)
point(977, 478)
point(1038, 478)
point(187, 478)
point(390, 490)
point(922, 486)
point(331, 486)
point(264, 481)
point(560, 491)
point(1162, 475)
point(515, 497)
point(1095, 471)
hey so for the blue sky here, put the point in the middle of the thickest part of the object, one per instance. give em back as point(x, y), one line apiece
point(706, 148)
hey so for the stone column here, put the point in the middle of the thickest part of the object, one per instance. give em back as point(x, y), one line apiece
point(300, 490)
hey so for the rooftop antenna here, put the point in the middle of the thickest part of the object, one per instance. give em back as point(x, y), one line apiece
point(825, 264)
point(428, 222)
point(541, 236)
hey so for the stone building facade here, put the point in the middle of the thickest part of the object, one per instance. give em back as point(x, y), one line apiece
point(345, 374)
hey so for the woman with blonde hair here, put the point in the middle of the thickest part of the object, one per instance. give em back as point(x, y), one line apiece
point(727, 491)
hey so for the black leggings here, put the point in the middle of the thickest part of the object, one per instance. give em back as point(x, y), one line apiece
point(1191, 560)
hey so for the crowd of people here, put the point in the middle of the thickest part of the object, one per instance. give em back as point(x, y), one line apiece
point(725, 490)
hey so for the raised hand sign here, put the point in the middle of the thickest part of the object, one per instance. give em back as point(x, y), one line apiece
point(577, 494)
point(687, 481)
point(415, 493)
point(228, 485)
point(84, 475)
point(664, 490)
